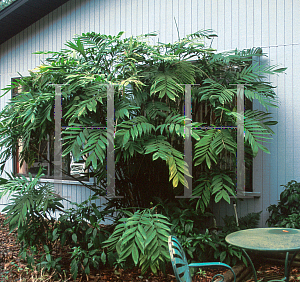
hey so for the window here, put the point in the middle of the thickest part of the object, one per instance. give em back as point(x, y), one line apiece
point(44, 157)
point(203, 113)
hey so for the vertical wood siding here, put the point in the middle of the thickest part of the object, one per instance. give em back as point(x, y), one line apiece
point(272, 25)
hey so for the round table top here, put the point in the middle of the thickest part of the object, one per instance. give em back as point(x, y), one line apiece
point(266, 239)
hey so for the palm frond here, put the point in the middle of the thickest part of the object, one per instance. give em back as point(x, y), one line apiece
point(185, 72)
point(156, 108)
point(173, 123)
point(213, 92)
point(204, 150)
point(133, 128)
point(203, 192)
point(162, 149)
point(166, 85)
point(222, 187)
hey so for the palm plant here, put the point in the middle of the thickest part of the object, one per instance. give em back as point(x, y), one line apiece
point(149, 112)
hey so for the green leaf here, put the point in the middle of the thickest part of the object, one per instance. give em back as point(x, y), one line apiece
point(223, 256)
point(74, 238)
point(103, 258)
point(48, 257)
point(135, 254)
point(142, 231)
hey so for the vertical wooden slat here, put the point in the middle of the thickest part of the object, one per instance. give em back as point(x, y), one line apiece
point(221, 26)
point(194, 17)
point(137, 11)
point(272, 23)
point(145, 16)
point(242, 25)
point(45, 37)
point(257, 19)
point(280, 24)
point(169, 21)
point(38, 42)
point(102, 17)
point(281, 117)
point(227, 25)
point(111, 9)
point(123, 18)
point(96, 16)
point(265, 40)
point(201, 13)
point(187, 17)
point(235, 29)
point(86, 11)
point(296, 113)
point(288, 22)
point(289, 108)
point(296, 21)
point(181, 18)
point(77, 19)
point(72, 19)
point(134, 21)
point(9, 56)
point(207, 14)
point(214, 8)
point(14, 62)
point(274, 144)
point(250, 24)
point(175, 8)
point(54, 29)
point(65, 30)
point(117, 17)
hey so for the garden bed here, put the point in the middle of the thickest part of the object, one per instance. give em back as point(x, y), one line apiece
point(12, 268)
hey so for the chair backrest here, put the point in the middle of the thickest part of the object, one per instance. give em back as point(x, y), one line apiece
point(178, 260)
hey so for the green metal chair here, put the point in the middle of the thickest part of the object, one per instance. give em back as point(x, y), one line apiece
point(181, 266)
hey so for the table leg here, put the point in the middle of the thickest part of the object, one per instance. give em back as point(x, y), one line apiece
point(288, 265)
point(251, 263)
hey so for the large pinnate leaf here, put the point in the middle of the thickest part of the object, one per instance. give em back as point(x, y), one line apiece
point(142, 236)
point(166, 85)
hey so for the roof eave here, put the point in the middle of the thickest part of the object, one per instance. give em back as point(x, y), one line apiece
point(29, 10)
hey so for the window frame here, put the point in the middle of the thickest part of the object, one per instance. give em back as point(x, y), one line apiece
point(49, 162)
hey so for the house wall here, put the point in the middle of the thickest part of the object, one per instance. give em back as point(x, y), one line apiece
point(272, 25)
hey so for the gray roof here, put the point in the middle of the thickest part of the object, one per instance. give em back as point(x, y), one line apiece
point(23, 13)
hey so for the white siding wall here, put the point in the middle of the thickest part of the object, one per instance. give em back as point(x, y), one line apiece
point(271, 24)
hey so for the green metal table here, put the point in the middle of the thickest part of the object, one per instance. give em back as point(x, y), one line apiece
point(268, 239)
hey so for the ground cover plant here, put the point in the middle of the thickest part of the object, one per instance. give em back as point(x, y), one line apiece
point(149, 134)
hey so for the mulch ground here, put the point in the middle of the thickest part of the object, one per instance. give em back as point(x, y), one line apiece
point(12, 268)
point(274, 271)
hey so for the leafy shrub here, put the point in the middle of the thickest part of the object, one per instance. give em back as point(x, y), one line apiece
point(287, 212)
point(212, 246)
point(80, 229)
point(141, 238)
point(151, 122)
point(249, 221)
point(185, 218)
point(31, 211)
point(196, 231)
